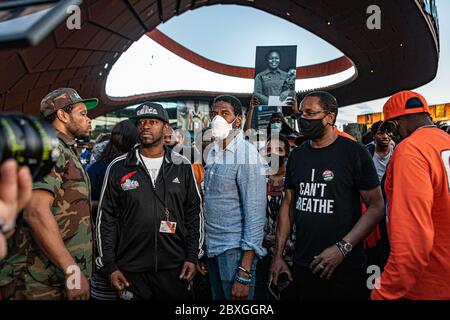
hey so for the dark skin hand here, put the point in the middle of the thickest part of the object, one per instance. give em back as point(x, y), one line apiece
point(326, 263)
point(188, 272)
point(292, 102)
point(239, 291)
point(202, 268)
point(254, 102)
point(118, 281)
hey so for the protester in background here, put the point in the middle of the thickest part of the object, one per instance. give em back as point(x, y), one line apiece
point(182, 143)
point(150, 222)
point(54, 238)
point(381, 149)
point(277, 121)
point(445, 126)
point(169, 138)
point(202, 285)
point(278, 124)
point(418, 193)
point(377, 243)
point(122, 139)
point(368, 138)
point(85, 156)
point(325, 180)
point(254, 102)
point(207, 144)
point(175, 141)
point(99, 145)
point(235, 202)
point(276, 152)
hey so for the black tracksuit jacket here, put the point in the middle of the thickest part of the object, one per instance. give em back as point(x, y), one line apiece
point(131, 211)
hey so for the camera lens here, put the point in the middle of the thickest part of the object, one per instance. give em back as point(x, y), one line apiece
point(30, 141)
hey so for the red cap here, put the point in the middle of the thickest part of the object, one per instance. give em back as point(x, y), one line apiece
point(404, 102)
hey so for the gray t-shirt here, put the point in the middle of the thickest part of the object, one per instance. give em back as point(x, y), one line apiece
point(153, 165)
point(381, 163)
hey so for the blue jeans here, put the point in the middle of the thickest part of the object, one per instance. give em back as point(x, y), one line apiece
point(222, 270)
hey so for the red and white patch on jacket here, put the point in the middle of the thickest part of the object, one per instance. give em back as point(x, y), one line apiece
point(127, 184)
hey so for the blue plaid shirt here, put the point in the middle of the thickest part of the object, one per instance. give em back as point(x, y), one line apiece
point(235, 198)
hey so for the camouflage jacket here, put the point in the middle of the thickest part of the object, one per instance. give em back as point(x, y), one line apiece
point(70, 186)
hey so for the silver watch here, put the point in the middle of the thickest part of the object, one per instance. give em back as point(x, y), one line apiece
point(344, 247)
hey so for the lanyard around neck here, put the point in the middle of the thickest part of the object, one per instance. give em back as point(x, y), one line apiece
point(166, 210)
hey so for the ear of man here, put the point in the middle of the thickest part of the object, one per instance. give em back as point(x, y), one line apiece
point(62, 116)
point(332, 117)
point(238, 122)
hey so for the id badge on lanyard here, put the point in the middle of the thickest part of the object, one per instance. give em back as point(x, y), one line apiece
point(166, 225)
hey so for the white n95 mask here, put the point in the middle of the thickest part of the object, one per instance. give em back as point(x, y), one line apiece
point(221, 128)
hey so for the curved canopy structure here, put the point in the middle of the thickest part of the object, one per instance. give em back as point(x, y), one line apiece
point(312, 71)
point(403, 54)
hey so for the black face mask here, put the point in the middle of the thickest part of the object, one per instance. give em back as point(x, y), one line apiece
point(312, 128)
point(281, 159)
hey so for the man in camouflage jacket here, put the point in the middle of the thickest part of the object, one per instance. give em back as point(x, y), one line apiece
point(51, 252)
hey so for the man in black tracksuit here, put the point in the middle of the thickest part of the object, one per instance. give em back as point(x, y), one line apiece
point(150, 223)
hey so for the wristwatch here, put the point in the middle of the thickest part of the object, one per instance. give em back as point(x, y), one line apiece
point(344, 247)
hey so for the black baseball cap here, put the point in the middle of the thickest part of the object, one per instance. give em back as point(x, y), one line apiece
point(150, 110)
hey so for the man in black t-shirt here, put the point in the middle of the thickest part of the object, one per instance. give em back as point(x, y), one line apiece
point(325, 179)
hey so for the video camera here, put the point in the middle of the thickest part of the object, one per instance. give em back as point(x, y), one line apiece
point(30, 141)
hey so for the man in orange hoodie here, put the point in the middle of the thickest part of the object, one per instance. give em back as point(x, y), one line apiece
point(418, 192)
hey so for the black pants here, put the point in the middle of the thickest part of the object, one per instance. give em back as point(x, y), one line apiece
point(344, 285)
point(161, 285)
point(202, 287)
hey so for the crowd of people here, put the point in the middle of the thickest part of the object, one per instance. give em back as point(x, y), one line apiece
point(300, 216)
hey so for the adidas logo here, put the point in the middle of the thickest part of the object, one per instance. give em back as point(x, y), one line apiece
point(176, 180)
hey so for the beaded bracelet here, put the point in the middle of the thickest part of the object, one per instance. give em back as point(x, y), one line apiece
point(242, 280)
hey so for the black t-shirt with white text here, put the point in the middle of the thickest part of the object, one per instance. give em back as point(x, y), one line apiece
point(327, 202)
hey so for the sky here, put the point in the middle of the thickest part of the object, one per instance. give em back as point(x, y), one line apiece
point(148, 67)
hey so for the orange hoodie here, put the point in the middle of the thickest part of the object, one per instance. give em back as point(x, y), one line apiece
point(418, 192)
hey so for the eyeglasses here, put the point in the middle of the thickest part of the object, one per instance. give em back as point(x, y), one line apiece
point(307, 114)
